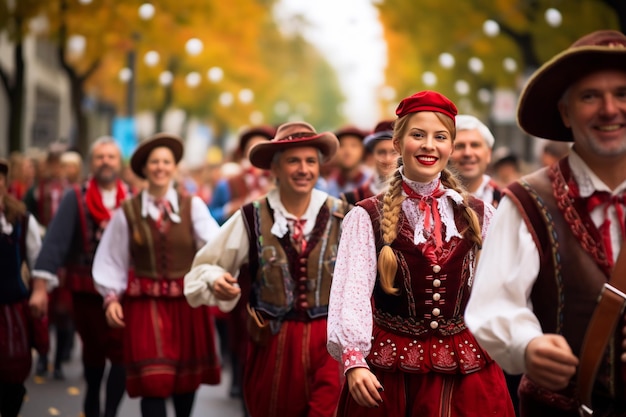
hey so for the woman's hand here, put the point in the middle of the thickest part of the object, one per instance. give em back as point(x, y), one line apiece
point(226, 287)
point(364, 387)
point(115, 314)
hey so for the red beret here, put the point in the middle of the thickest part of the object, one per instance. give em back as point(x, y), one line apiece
point(427, 101)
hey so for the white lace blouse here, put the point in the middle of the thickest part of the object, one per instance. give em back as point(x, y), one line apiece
point(350, 319)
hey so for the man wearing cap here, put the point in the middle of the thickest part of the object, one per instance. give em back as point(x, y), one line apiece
point(71, 242)
point(350, 172)
point(233, 192)
point(19, 243)
point(555, 242)
point(471, 157)
point(287, 242)
point(379, 144)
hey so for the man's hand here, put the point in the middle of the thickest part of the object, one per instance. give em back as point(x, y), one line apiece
point(115, 315)
point(550, 361)
point(364, 387)
point(38, 301)
point(226, 287)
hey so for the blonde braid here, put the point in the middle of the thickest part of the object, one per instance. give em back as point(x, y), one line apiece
point(387, 262)
point(473, 232)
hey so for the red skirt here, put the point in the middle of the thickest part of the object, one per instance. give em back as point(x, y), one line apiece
point(18, 333)
point(433, 394)
point(169, 347)
point(293, 375)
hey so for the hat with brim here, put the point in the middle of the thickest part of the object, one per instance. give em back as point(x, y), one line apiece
point(382, 131)
point(167, 140)
point(292, 135)
point(537, 111)
point(267, 132)
point(350, 131)
point(4, 167)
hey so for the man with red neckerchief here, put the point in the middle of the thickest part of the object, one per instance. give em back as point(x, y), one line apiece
point(550, 261)
point(71, 242)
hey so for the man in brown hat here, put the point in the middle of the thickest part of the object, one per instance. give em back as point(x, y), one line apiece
point(350, 171)
point(286, 243)
point(555, 242)
point(385, 161)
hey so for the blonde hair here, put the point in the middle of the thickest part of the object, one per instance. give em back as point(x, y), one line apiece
point(392, 204)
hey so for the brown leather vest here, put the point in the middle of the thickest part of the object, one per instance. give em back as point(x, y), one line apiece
point(155, 254)
point(287, 284)
point(573, 264)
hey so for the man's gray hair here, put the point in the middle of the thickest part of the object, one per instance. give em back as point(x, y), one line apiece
point(468, 122)
point(101, 141)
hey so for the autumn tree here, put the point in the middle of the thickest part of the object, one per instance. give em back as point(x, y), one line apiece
point(418, 32)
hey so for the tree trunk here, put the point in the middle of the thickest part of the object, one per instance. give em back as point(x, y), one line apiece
point(16, 93)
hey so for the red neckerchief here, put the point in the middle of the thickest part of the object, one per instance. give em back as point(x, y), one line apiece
point(606, 199)
point(428, 204)
point(96, 207)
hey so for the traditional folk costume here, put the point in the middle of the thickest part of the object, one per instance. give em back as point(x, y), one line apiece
point(147, 248)
point(19, 331)
point(287, 265)
point(558, 233)
point(288, 371)
point(416, 343)
point(565, 257)
point(71, 242)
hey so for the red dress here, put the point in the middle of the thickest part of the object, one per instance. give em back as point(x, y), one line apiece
point(169, 347)
point(422, 353)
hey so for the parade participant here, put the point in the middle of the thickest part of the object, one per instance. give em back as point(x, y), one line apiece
point(350, 171)
point(71, 241)
point(169, 347)
point(379, 144)
point(557, 236)
point(403, 275)
point(286, 243)
point(471, 157)
point(234, 191)
point(19, 243)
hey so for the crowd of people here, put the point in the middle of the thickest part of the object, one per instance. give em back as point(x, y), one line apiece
point(405, 270)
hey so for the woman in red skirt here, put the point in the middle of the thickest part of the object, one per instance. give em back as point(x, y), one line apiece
point(402, 280)
point(169, 347)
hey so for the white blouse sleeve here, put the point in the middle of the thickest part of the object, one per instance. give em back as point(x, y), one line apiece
point(204, 225)
point(225, 252)
point(112, 259)
point(33, 242)
point(499, 312)
point(350, 319)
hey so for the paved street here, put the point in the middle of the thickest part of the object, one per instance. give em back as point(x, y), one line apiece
point(48, 397)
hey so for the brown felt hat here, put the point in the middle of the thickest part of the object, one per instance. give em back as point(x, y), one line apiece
point(140, 156)
point(290, 135)
point(537, 110)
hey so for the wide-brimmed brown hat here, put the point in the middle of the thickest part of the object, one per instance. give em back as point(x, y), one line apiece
point(290, 135)
point(264, 131)
point(537, 110)
point(140, 156)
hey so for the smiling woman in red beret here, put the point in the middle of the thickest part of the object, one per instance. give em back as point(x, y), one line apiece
point(410, 253)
